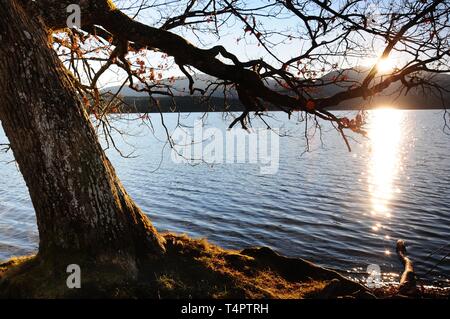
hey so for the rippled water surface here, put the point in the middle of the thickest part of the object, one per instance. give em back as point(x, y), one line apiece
point(339, 209)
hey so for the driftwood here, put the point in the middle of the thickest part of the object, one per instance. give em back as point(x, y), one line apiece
point(408, 284)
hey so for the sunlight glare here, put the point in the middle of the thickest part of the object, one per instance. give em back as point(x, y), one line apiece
point(385, 141)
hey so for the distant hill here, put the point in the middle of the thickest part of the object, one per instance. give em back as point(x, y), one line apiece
point(179, 86)
point(184, 102)
point(416, 98)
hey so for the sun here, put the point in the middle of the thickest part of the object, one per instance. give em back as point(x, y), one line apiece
point(385, 65)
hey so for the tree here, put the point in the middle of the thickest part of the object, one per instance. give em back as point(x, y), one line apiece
point(83, 211)
point(80, 204)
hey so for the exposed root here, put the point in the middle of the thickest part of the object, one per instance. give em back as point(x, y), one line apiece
point(408, 284)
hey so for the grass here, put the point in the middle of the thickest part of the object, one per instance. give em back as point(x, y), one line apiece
point(195, 268)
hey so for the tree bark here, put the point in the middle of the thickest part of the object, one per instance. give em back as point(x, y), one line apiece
point(80, 204)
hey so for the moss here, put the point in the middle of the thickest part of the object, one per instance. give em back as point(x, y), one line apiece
point(189, 269)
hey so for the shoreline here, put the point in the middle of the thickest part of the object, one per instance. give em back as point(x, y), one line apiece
point(198, 269)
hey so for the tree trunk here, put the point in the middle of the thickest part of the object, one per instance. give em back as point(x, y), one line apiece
point(81, 206)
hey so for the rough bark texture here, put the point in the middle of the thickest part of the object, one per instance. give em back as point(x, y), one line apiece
point(81, 206)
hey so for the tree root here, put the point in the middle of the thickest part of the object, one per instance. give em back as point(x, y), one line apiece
point(408, 283)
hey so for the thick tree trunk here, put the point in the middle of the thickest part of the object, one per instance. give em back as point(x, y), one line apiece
point(81, 206)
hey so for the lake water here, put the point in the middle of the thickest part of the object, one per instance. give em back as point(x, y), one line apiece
point(339, 209)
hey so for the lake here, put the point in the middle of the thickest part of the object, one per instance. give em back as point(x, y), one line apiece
point(339, 209)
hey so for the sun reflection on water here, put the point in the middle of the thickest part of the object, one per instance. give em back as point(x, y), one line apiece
point(385, 134)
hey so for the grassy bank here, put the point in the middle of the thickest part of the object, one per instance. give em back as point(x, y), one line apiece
point(193, 269)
